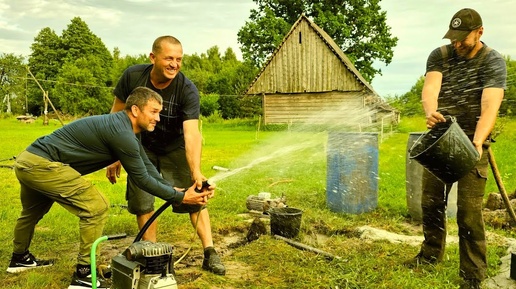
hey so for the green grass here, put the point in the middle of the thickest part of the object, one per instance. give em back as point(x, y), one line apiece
point(282, 163)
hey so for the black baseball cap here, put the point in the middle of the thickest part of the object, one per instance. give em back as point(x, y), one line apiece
point(462, 23)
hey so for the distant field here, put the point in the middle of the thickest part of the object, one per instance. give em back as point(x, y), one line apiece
point(286, 163)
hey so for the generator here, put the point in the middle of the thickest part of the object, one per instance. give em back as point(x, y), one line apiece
point(144, 265)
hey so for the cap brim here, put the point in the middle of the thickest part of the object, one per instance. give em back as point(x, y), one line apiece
point(456, 35)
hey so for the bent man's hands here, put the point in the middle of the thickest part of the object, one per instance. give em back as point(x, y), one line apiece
point(193, 198)
point(113, 171)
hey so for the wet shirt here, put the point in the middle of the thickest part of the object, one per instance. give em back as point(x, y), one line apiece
point(92, 143)
point(463, 82)
point(180, 103)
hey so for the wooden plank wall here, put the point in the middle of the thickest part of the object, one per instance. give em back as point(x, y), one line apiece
point(304, 63)
point(316, 108)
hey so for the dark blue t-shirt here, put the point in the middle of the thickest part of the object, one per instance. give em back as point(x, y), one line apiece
point(92, 143)
point(463, 81)
point(180, 103)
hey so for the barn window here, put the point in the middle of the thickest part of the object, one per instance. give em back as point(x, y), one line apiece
point(300, 38)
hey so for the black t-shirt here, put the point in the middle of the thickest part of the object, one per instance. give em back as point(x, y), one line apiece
point(181, 102)
point(463, 81)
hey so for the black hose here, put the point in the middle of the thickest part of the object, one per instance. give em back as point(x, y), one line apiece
point(150, 220)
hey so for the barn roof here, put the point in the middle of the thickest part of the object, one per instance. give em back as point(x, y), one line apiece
point(331, 45)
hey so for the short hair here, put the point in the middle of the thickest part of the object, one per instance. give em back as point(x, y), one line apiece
point(156, 46)
point(140, 96)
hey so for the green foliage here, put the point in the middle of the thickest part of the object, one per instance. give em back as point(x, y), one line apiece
point(218, 74)
point(209, 104)
point(212, 118)
point(229, 106)
point(359, 27)
point(78, 41)
point(507, 107)
point(121, 63)
point(44, 63)
point(75, 69)
point(12, 83)
point(87, 97)
point(234, 106)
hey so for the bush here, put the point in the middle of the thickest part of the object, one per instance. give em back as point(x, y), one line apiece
point(233, 106)
point(213, 118)
point(209, 104)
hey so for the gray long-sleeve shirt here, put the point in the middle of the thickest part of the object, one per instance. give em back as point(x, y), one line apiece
point(92, 143)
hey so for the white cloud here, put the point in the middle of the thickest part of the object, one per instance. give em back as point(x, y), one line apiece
point(132, 26)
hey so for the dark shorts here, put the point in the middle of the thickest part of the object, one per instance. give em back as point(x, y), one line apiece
point(174, 168)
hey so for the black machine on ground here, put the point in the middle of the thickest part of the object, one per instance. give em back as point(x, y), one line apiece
point(143, 265)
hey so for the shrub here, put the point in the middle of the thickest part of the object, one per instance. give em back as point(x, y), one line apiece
point(209, 104)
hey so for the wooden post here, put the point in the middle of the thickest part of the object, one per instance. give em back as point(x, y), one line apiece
point(45, 108)
point(45, 99)
point(258, 128)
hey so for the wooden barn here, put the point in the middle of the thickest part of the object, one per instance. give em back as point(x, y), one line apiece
point(309, 79)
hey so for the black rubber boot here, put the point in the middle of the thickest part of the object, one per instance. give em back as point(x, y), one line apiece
point(212, 262)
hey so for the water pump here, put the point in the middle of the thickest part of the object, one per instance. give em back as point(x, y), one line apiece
point(144, 265)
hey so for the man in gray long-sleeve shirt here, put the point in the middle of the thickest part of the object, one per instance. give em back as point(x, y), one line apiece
point(51, 169)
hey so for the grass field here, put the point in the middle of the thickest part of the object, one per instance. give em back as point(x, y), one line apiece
point(289, 163)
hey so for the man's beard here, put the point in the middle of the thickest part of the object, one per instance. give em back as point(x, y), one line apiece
point(464, 50)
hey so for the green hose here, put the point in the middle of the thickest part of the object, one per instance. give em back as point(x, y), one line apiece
point(93, 257)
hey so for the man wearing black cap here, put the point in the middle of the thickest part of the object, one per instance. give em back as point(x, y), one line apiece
point(465, 79)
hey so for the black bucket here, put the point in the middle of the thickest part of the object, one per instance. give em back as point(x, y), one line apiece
point(285, 222)
point(445, 151)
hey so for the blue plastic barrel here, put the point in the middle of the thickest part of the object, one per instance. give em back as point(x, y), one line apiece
point(352, 172)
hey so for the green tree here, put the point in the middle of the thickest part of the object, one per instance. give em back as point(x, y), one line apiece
point(234, 76)
point(209, 104)
point(78, 41)
point(86, 74)
point(214, 73)
point(358, 26)
point(44, 63)
point(12, 83)
point(229, 106)
point(223, 75)
point(82, 92)
point(122, 63)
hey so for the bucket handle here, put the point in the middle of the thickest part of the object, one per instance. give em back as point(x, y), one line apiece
point(448, 118)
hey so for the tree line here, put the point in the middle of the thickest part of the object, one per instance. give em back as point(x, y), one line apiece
point(78, 72)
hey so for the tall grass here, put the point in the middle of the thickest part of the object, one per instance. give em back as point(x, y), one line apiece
point(286, 163)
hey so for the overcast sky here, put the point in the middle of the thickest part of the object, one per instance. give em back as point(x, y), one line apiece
point(132, 26)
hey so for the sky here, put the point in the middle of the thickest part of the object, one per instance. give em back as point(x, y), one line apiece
point(132, 26)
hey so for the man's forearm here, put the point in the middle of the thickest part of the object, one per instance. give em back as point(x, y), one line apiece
point(193, 148)
point(491, 100)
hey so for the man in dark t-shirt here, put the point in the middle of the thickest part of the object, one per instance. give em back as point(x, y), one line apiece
point(51, 170)
point(174, 147)
point(465, 79)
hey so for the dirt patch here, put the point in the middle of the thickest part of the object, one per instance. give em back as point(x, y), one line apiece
point(189, 268)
